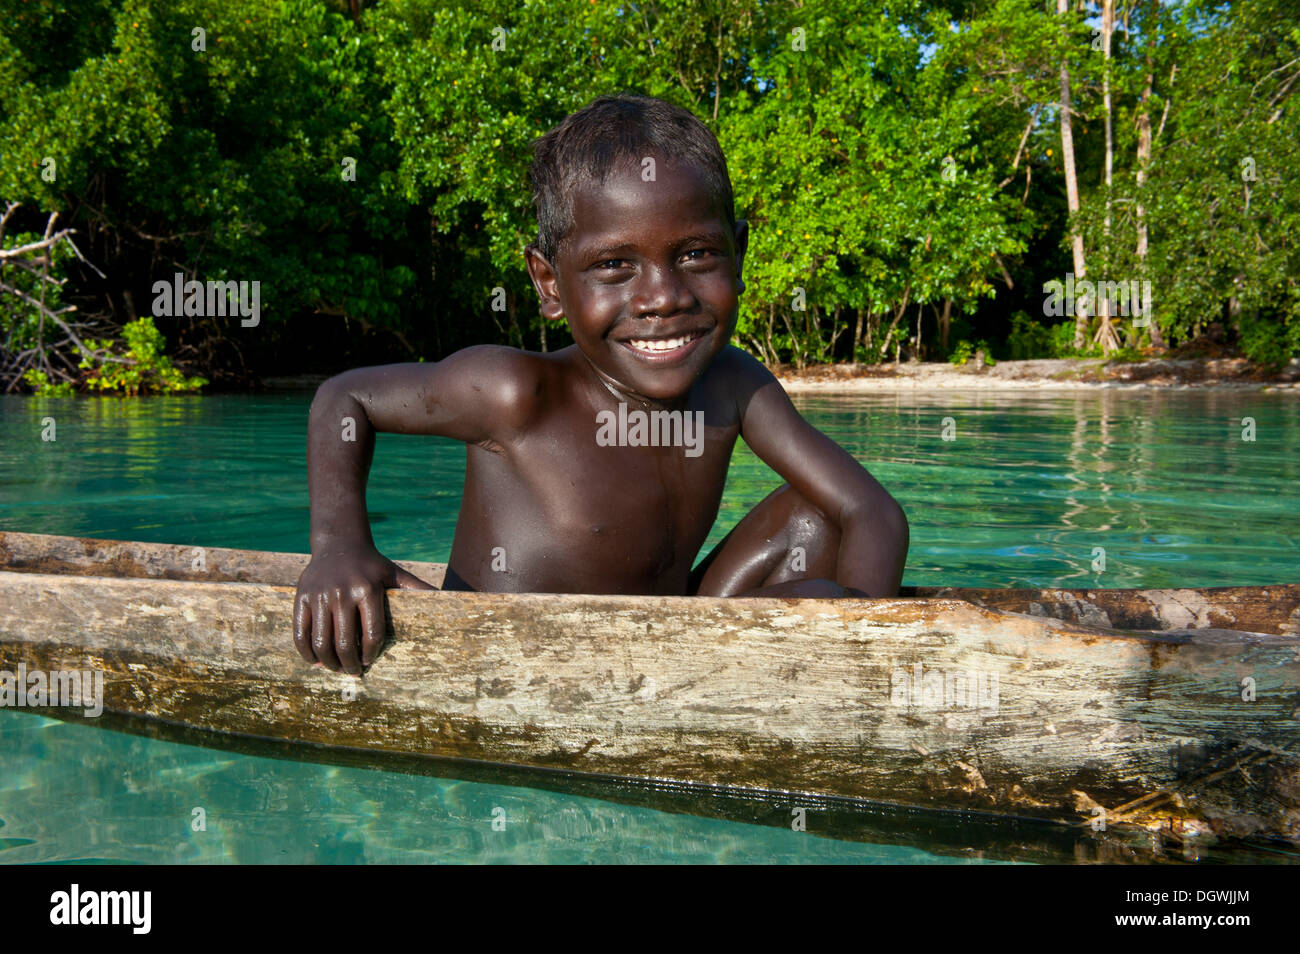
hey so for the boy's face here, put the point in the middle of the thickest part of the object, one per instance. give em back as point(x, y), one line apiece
point(648, 278)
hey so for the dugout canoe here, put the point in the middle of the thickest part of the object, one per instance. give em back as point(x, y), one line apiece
point(1170, 711)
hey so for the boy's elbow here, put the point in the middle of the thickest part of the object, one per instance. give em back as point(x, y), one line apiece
point(893, 519)
point(325, 392)
point(885, 515)
point(330, 393)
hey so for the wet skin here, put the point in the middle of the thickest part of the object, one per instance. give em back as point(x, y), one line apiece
point(644, 260)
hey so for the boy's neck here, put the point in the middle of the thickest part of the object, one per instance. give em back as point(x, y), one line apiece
point(636, 401)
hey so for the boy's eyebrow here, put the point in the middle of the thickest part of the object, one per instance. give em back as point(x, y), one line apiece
point(603, 251)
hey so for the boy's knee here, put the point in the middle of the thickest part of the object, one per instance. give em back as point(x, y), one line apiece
point(806, 518)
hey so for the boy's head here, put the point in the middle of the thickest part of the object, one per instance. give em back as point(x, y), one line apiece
point(638, 244)
point(583, 149)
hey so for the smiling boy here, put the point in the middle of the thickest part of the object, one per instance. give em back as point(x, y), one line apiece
point(600, 468)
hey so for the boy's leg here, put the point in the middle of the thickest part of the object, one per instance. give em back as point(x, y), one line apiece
point(783, 540)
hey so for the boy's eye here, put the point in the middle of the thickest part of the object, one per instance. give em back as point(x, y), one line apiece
point(691, 255)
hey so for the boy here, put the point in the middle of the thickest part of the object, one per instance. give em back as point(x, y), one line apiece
point(600, 468)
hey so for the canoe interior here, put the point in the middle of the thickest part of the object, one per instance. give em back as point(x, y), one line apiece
point(1256, 609)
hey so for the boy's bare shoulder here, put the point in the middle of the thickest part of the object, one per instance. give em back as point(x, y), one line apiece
point(497, 363)
point(740, 373)
point(510, 384)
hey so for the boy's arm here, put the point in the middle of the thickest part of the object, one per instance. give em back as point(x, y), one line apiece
point(479, 394)
point(873, 527)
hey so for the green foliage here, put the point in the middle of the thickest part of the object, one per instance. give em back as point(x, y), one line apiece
point(42, 386)
point(1270, 340)
point(965, 351)
point(886, 156)
point(1221, 202)
point(138, 367)
point(1063, 341)
point(859, 178)
point(1029, 339)
point(233, 154)
point(1127, 353)
point(20, 321)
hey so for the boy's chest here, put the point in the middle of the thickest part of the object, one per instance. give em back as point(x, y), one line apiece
point(629, 499)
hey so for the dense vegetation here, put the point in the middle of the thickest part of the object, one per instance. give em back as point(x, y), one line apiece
point(914, 173)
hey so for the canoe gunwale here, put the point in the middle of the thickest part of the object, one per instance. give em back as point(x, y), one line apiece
point(1266, 609)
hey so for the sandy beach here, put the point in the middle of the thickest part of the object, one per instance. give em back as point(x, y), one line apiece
point(1045, 374)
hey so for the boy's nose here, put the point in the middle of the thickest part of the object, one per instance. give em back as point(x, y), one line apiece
point(661, 291)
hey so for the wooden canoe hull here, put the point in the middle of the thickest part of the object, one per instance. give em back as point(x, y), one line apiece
point(1191, 730)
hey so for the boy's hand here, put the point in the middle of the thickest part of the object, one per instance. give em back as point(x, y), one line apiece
point(338, 611)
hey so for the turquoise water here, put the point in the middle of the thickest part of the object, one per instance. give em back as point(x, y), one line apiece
point(1021, 496)
point(1024, 494)
point(78, 793)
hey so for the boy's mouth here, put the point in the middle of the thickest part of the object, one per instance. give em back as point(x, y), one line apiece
point(664, 348)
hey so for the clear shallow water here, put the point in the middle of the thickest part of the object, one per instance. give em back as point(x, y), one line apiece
point(1022, 495)
point(75, 793)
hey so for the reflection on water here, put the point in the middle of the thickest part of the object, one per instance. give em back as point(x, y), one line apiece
point(1032, 485)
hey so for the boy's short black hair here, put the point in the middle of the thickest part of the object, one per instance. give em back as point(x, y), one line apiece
point(586, 146)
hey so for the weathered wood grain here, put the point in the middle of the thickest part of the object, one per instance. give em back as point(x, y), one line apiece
point(84, 556)
point(1256, 609)
point(797, 696)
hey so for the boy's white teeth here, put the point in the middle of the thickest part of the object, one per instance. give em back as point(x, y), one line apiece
point(661, 344)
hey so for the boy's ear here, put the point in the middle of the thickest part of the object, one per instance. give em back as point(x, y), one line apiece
point(545, 281)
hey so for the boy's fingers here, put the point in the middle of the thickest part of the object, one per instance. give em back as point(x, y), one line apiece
point(322, 636)
point(408, 581)
point(302, 627)
point(372, 628)
point(347, 638)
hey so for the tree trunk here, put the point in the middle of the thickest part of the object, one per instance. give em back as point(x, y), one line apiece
point(1144, 156)
point(884, 345)
point(916, 342)
point(796, 346)
point(1072, 190)
point(857, 336)
point(835, 332)
point(1234, 306)
point(433, 280)
point(1107, 334)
